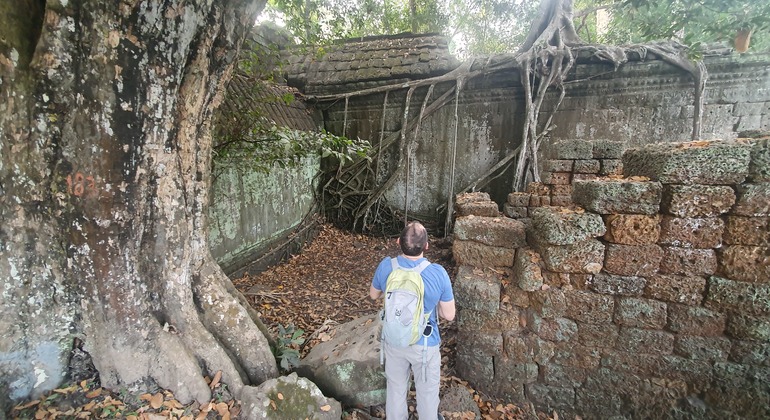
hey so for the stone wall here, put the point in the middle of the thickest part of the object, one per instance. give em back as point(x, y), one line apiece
point(643, 295)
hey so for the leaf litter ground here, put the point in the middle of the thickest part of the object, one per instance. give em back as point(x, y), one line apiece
point(325, 285)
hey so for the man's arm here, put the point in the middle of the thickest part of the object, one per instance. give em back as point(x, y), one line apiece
point(446, 310)
point(374, 293)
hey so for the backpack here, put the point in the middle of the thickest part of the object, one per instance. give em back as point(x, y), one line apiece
point(403, 317)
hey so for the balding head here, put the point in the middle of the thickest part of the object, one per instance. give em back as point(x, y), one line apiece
point(413, 239)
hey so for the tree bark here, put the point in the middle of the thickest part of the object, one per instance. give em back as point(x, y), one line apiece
point(104, 187)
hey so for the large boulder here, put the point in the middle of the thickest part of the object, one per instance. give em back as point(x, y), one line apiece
point(347, 367)
point(289, 397)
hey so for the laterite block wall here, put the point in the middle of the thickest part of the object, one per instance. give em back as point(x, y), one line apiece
point(641, 295)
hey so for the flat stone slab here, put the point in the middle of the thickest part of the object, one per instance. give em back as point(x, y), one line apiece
point(697, 200)
point(299, 399)
point(714, 162)
point(759, 168)
point(493, 231)
point(563, 226)
point(477, 288)
point(611, 196)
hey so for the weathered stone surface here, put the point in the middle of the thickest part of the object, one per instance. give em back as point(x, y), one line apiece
point(695, 320)
point(608, 196)
point(528, 348)
point(632, 229)
point(477, 208)
point(741, 230)
point(695, 372)
point(572, 149)
point(347, 367)
point(554, 374)
point(711, 349)
point(633, 260)
point(580, 257)
point(477, 288)
point(536, 200)
point(750, 352)
point(557, 178)
point(688, 261)
point(538, 188)
point(457, 402)
point(610, 167)
point(549, 303)
point(302, 399)
point(759, 168)
point(608, 149)
point(506, 319)
point(515, 212)
point(485, 343)
point(526, 269)
point(472, 197)
point(493, 231)
point(752, 200)
point(557, 165)
point(480, 255)
point(551, 398)
point(697, 201)
point(584, 177)
point(745, 327)
point(678, 289)
point(589, 307)
point(557, 190)
point(561, 200)
point(728, 295)
point(691, 233)
point(617, 285)
point(743, 391)
point(559, 329)
point(598, 335)
point(641, 313)
point(519, 199)
point(475, 368)
point(569, 353)
point(638, 340)
point(711, 163)
point(745, 263)
point(559, 226)
point(586, 166)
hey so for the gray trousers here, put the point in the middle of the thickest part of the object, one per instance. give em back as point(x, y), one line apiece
point(398, 363)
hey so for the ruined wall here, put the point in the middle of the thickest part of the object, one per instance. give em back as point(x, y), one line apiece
point(647, 297)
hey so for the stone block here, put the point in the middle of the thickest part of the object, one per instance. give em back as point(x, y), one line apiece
point(555, 279)
point(742, 392)
point(584, 177)
point(569, 353)
point(475, 368)
point(484, 343)
point(557, 178)
point(759, 168)
point(696, 201)
point(636, 340)
point(477, 208)
point(526, 270)
point(554, 374)
point(608, 149)
point(741, 230)
point(559, 329)
point(752, 200)
point(632, 229)
point(515, 296)
point(560, 226)
point(501, 232)
point(528, 348)
point(515, 212)
point(472, 197)
point(539, 200)
point(617, 285)
point(477, 288)
point(561, 200)
point(538, 188)
point(551, 398)
point(557, 165)
point(711, 349)
point(548, 303)
point(608, 196)
point(750, 352)
point(641, 313)
point(480, 255)
point(586, 166)
point(519, 199)
point(688, 261)
point(633, 260)
point(711, 163)
point(745, 327)
point(609, 167)
point(727, 295)
point(695, 320)
point(678, 289)
point(557, 190)
point(572, 149)
point(581, 257)
point(598, 335)
point(691, 233)
point(589, 307)
point(745, 263)
point(505, 320)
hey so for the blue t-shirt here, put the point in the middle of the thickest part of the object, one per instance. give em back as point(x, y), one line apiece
point(437, 288)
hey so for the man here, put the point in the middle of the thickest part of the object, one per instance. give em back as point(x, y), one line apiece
point(424, 361)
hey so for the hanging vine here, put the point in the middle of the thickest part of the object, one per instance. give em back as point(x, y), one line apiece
point(355, 194)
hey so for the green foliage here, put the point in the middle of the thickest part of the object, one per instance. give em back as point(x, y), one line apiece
point(287, 346)
point(489, 26)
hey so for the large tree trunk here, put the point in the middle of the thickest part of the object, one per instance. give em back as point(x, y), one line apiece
point(104, 176)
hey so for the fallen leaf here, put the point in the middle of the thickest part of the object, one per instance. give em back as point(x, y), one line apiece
point(215, 381)
point(27, 405)
point(326, 407)
point(145, 397)
point(222, 408)
point(157, 401)
point(95, 393)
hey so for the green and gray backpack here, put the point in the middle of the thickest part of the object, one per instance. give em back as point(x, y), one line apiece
point(403, 317)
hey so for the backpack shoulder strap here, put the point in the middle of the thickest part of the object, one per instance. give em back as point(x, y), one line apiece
point(419, 268)
point(423, 265)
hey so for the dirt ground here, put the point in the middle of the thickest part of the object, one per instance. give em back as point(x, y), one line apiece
point(328, 283)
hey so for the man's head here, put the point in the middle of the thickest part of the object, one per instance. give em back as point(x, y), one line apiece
point(413, 239)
